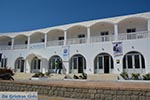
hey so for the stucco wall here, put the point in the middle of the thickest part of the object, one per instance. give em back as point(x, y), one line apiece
point(89, 51)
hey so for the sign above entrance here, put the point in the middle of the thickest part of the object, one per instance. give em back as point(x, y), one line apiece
point(117, 48)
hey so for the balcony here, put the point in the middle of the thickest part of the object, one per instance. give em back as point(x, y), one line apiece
point(71, 41)
point(76, 41)
point(101, 38)
point(55, 43)
point(135, 35)
point(20, 46)
point(5, 47)
point(36, 45)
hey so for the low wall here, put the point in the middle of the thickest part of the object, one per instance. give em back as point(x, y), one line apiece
point(83, 90)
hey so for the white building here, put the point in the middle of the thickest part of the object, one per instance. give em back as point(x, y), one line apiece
point(111, 45)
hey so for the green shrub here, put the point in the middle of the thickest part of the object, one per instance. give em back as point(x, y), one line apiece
point(39, 74)
point(135, 76)
point(125, 75)
point(47, 73)
point(75, 77)
point(146, 76)
point(6, 70)
point(84, 76)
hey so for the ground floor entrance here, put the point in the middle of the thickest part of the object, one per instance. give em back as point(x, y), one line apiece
point(36, 65)
point(103, 63)
point(19, 65)
point(77, 64)
point(52, 63)
point(133, 62)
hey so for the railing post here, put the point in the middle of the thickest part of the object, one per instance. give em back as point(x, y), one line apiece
point(12, 43)
point(45, 40)
point(88, 35)
point(28, 42)
point(65, 37)
point(116, 31)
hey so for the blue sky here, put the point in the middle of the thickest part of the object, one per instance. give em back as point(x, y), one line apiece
point(26, 15)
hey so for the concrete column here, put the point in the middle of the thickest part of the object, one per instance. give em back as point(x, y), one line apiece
point(27, 66)
point(88, 35)
point(65, 37)
point(118, 67)
point(148, 26)
point(28, 42)
point(89, 68)
point(45, 40)
point(44, 65)
point(12, 43)
point(116, 31)
point(65, 67)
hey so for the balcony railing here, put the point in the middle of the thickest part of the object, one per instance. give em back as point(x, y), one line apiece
point(5, 47)
point(55, 43)
point(92, 39)
point(101, 38)
point(135, 35)
point(20, 46)
point(36, 45)
point(76, 41)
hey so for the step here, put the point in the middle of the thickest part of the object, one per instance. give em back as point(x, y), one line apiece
point(24, 76)
point(27, 76)
point(103, 77)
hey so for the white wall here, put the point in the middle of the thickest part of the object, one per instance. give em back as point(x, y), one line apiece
point(20, 39)
point(89, 51)
point(140, 25)
point(53, 35)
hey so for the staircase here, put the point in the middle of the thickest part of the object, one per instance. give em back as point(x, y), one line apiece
point(103, 77)
point(22, 76)
point(96, 77)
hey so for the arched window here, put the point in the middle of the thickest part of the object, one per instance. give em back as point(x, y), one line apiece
point(103, 63)
point(35, 64)
point(133, 62)
point(19, 64)
point(77, 64)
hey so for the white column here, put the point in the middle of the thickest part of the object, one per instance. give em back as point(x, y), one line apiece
point(88, 35)
point(148, 25)
point(118, 68)
point(116, 31)
point(65, 67)
point(12, 43)
point(65, 37)
point(45, 40)
point(44, 65)
point(28, 42)
point(27, 66)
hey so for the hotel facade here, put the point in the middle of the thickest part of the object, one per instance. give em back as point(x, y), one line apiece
point(112, 45)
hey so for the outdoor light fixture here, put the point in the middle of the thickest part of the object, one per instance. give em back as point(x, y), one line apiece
point(132, 47)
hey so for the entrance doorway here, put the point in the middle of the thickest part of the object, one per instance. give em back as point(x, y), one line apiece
point(19, 64)
point(103, 63)
point(77, 64)
point(35, 65)
point(52, 61)
point(133, 62)
point(106, 64)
